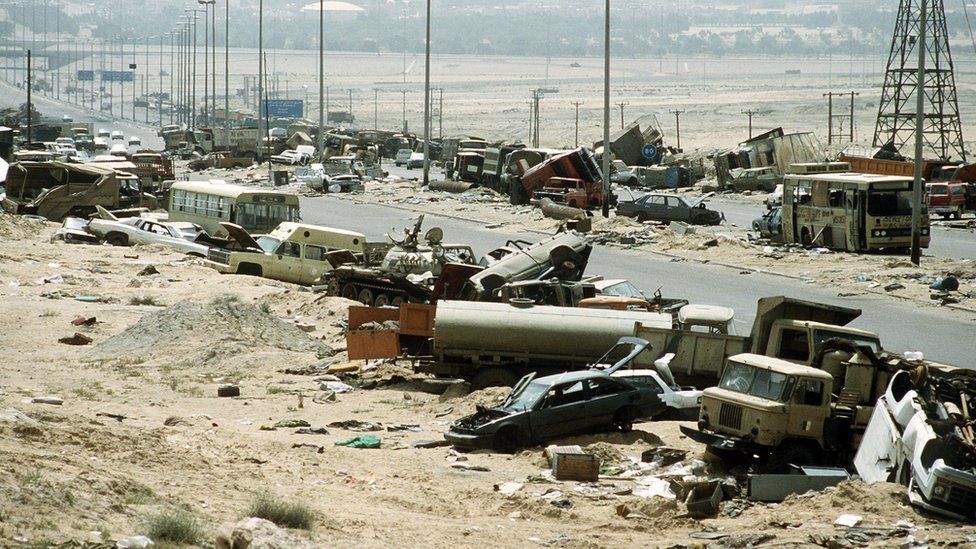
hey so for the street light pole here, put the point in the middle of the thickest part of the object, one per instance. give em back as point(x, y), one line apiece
point(606, 110)
point(261, 135)
point(916, 248)
point(321, 79)
point(427, 99)
point(227, 70)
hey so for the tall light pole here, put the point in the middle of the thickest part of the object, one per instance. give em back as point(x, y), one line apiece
point(261, 135)
point(427, 99)
point(206, 57)
point(227, 70)
point(213, 62)
point(606, 110)
point(58, 17)
point(916, 248)
point(321, 79)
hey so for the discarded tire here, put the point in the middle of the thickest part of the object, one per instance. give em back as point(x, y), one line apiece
point(228, 391)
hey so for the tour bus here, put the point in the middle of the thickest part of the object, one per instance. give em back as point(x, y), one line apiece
point(210, 203)
point(850, 211)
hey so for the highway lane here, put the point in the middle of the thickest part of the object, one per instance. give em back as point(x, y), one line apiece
point(941, 334)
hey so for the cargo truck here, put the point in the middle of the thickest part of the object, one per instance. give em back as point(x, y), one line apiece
point(578, 165)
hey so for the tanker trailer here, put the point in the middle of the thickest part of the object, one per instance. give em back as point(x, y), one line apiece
point(497, 343)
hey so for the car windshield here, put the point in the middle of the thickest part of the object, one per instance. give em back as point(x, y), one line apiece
point(938, 189)
point(623, 289)
point(757, 382)
point(884, 203)
point(267, 243)
point(528, 396)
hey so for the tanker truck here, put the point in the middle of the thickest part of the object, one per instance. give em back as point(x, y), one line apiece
point(498, 343)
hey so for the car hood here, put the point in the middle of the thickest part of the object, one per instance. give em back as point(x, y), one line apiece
point(702, 198)
point(240, 235)
point(485, 419)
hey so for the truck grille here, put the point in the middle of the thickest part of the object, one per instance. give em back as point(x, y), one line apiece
point(219, 256)
point(963, 499)
point(730, 416)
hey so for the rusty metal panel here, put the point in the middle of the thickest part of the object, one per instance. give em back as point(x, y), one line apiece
point(370, 344)
point(359, 315)
point(417, 319)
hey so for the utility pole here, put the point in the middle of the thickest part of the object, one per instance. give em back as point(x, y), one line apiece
point(404, 92)
point(427, 98)
point(677, 125)
point(919, 130)
point(58, 8)
point(831, 117)
point(606, 110)
point(321, 78)
point(622, 105)
point(227, 70)
point(30, 103)
point(440, 114)
point(350, 102)
point(750, 113)
point(577, 105)
point(376, 112)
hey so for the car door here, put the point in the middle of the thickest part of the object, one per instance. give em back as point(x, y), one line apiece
point(606, 397)
point(561, 412)
point(653, 206)
point(314, 264)
point(674, 210)
point(287, 262)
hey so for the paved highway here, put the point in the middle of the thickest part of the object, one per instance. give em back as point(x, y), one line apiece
point(941, 334)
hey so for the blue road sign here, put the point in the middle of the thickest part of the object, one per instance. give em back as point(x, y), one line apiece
point(284, 108)
point(86, 75)
point(117, 76)
point(649, 151)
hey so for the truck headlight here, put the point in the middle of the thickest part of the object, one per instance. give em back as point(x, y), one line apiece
point(940, 490)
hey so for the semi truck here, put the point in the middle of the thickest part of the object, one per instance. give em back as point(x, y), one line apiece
point(578, 165)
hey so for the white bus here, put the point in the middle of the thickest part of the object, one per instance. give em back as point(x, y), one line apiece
point(210, 203)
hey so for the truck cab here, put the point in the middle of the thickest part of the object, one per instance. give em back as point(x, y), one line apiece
point(293, 252)
point(799, 340)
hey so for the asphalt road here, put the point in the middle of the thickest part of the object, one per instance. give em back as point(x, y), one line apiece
point(945, 242)
point(941, 334)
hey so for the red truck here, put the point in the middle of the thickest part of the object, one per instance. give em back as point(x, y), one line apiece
point(571, 178)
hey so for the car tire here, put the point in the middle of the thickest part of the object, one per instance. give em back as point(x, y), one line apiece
point(494, 377)
point(641, 217)
point(623, 419)
point(958, 213)
point(249, 269)
point(116, 239)
point(508, 439)
point(755, 226)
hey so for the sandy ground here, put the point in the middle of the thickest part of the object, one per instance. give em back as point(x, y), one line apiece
point(162, 344)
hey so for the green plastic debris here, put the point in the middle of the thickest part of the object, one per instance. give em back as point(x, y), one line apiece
point(362, 441)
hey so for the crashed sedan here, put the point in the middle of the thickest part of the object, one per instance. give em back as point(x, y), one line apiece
point(553, 406)
point(670, 207)
point(138, 230)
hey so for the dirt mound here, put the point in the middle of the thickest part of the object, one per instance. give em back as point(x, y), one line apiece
point(225, 326)
point(490, 396)
point(18, 227)
point(607, 454)
point(878, 501)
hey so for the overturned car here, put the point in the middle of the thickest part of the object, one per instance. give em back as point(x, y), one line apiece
point(921, 435)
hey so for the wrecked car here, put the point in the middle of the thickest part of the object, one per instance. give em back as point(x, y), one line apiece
point(74, 230)
point(921, 435)
point(138, 230)
point(544, 408)
point(670, 207)
point(770, 224)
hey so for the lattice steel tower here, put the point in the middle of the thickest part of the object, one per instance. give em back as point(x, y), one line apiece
point(941, 130)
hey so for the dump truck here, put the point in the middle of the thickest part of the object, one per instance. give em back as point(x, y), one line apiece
point(786, 328)
point(578, 164)
point(780, 413)
point(55, 190)
point(493, 167)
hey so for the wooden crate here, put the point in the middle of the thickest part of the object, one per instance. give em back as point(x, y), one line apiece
point(417, 319)
point(370, 344)
point(582, 467)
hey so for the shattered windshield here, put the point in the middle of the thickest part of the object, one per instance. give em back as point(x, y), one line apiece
point(528, 396)
point(756, 382)
point(623, 289)
point(267, 243)
point(884, 203)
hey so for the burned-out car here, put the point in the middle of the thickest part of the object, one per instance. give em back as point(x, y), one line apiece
point(670, 207)
point(553, 406)
point(770, 224)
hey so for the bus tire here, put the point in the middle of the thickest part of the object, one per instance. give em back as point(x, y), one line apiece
point(117, 239)
point(805, 239)
point(251, 269)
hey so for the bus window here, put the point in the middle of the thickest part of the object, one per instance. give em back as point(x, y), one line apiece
point(836, 198)
point(885, 203)
point(820, 189)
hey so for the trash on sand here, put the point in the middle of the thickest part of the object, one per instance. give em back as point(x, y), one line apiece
point(848, 520)
point(77, 339)
point(362, 441)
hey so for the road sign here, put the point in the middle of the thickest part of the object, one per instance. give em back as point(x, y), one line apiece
point(86, 75)
point(649, 151)
point(284, 108)
point(117, 76)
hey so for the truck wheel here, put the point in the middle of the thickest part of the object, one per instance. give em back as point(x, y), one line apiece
point(249, 269)
point(946, 216)
point(381, 300)
point(508, 439)
point(116, 239)
point(349, 291)
point(623, 420)
point(958, 213)
point(494, 377)
point(366, 296)
point(788, 453)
